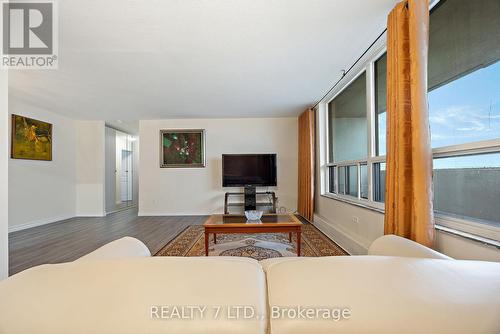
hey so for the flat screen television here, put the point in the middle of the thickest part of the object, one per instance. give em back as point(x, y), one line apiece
point(239, 170)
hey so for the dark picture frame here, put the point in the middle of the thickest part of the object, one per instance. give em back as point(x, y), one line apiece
point(182, 148)
point(31, 139)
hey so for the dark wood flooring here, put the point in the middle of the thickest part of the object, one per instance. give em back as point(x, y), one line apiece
point(69, 239)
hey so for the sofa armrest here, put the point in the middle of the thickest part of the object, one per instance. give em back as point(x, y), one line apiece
point(392, 245)
point(121, 248)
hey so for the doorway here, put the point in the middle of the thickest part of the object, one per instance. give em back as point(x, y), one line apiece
point(120, 148)
point(126, 176)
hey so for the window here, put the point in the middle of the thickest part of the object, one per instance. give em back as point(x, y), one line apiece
point(342, 178)
point(464, 76)
point(474, 182)
point(348, 133)
point(331, 186)
point(379, 182)
point(363, 170)
point(464, 72)
point(347, 123)
point(352, 181)
point(380, 104)
point(466, 110)
point(464, 116)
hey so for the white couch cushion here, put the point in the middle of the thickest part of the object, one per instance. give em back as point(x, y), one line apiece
point(393, 245)
point(121, 248)
point(117, 296)
point(266, 263)
point(386, 295)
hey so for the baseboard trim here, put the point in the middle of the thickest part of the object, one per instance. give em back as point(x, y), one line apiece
point(350, 244)
point(38, 222)
point(46, 221)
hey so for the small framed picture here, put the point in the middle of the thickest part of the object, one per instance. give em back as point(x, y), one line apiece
point(31, 139)
point(182, 148)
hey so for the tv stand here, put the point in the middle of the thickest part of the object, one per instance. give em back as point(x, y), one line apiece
point(250, 198)
point(268, 206)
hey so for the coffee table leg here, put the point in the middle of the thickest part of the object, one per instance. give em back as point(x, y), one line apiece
point(298, 242)
point(290, 236)
point(215, 238)
point(206, 243)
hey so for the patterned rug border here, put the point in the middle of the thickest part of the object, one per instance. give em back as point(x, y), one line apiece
point(183, 244)
point(175, 239)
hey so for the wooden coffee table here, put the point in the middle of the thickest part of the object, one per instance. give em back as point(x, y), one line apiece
point(269, 223)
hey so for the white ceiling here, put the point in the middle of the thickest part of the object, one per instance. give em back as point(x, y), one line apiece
point(130, 59)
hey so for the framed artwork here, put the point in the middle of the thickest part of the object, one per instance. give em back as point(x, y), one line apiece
point(31, 139)
point(182, 148)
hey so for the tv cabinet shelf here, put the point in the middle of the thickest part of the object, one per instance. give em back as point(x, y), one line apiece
point(271, 204)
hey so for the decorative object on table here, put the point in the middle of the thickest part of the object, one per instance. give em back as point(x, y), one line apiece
point(182, 148)
point(253, 215)
point(31, 139)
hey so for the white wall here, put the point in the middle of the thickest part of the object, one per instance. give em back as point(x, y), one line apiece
point(110, 167)
point(42, 192)
point(352, 227)
point(4, 175)
point(199, 191)
point(90, 168)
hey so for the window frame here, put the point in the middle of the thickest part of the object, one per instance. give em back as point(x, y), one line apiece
point(366, 65)
point(469, 228)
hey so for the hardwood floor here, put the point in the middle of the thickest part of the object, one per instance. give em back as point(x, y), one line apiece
point(69, 239)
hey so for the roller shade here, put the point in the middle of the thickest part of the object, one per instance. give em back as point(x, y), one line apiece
point(464, 36)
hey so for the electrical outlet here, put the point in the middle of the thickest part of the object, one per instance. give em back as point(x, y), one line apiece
point(355, 219)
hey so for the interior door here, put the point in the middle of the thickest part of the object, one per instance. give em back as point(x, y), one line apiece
point(126, 176)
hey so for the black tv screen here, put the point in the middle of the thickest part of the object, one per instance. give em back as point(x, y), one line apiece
point(239, 170)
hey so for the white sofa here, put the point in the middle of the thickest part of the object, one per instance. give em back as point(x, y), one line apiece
point(401, 287)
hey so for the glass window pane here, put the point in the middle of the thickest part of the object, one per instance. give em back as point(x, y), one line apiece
point(468, 187)
point(379, 182)
point(332, 179)
point(380, 104)
point(467, 109)
point(364, 181)
point(464, 72)
point(347, 125)
point(352, 188)
point(341, 181)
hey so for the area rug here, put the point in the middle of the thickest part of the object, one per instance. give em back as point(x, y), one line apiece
point(191, 242)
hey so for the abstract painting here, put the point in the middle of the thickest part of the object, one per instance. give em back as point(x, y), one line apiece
point(182, 148)
point(31, 139)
